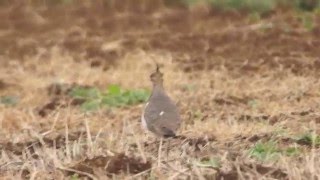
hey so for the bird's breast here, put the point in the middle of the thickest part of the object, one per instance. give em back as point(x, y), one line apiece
point(143, 120)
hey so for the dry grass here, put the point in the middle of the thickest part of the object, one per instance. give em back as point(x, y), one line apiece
point(227, 107)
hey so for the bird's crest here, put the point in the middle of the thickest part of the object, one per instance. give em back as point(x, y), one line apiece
point(156, 77)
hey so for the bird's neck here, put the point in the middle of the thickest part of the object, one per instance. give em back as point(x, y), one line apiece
point(158, 87)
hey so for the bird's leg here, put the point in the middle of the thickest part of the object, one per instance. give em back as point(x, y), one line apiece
point(159, 152)
point(167, 149)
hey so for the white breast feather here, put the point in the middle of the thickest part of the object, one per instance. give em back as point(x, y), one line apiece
point(143, 120)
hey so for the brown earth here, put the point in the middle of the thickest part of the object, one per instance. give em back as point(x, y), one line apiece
point(239, 81)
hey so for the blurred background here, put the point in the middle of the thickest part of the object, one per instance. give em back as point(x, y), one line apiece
point(250, 34)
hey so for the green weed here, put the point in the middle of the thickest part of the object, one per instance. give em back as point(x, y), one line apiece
point(254, 17)
point(291, 151)
point(114, 96)
point(74, 177)
point(210, 163)
point(270, 151)
point(258, 6)
point(9, 100)
point(253, 103)
point(265, 151)
point(309, 138)
point(307, 21)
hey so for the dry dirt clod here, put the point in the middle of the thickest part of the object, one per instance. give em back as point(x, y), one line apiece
point(119, 163)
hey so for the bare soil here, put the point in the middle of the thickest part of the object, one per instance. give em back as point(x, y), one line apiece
point(238, 80)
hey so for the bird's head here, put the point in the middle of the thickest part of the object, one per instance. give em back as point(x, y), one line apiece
point(157, 77)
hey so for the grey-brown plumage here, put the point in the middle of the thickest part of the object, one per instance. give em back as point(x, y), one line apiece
point(160, 115)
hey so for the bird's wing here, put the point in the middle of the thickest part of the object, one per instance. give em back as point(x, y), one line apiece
point(151, 115)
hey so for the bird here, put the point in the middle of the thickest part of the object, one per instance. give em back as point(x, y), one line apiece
point(160, 114)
